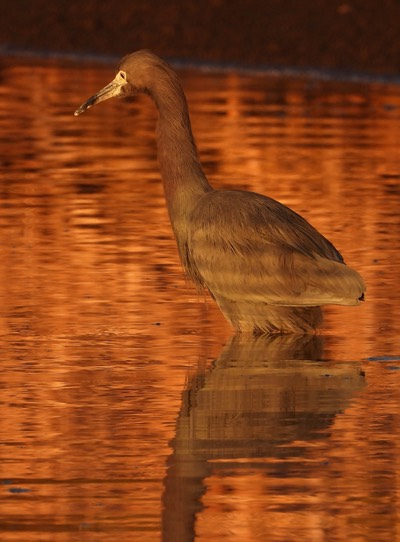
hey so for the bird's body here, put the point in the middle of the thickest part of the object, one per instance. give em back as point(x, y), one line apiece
point(267, 268)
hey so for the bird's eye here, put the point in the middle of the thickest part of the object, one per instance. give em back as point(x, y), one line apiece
point(123, 75)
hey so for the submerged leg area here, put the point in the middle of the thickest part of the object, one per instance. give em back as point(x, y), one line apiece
point(259, 318)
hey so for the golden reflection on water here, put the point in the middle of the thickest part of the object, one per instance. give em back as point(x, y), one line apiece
point(273, 444)
point(100, 333)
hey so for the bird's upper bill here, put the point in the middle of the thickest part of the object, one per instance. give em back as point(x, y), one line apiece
point(115, 88)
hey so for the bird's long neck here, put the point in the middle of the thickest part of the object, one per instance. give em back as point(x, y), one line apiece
point(183, 177)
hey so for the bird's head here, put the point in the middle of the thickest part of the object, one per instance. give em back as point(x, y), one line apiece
point(135, 73)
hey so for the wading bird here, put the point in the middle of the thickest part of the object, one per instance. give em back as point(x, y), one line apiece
point(266, 267)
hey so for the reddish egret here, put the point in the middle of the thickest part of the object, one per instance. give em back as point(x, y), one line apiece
point(267, 268)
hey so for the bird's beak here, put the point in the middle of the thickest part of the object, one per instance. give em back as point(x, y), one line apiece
point(115, 88)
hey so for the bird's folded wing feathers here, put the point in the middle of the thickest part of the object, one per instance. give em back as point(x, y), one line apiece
point(247, 247)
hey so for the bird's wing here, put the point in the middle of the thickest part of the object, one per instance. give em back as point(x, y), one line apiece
point(247, 247)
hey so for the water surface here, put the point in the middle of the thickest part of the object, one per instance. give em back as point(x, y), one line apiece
point(128, 411)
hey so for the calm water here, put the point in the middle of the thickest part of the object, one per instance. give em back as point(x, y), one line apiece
point(128, 412)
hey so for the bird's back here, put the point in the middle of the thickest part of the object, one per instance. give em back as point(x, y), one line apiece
point(252, 252)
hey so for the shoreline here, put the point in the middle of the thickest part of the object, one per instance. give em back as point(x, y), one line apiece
point(357, 36)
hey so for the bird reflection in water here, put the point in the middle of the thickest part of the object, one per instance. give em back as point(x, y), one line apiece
point(257, 400)
point(266, 267)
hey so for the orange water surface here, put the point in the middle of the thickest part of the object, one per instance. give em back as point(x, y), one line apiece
point(129, 412)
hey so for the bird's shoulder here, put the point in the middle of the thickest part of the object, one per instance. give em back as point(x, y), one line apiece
point(246, 220)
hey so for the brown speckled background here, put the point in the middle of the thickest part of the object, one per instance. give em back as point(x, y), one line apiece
point(353, 35)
